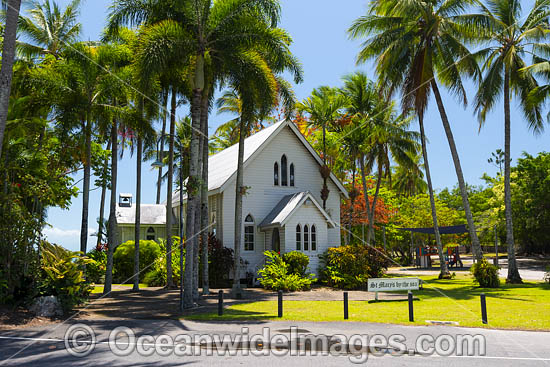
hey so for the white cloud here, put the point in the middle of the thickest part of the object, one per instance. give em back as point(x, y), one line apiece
point(58, 232)
point(68, 238)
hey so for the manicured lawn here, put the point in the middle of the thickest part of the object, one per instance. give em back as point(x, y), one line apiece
point(98, 288)
point(524, 306)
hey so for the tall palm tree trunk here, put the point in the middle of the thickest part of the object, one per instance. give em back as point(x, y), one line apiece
point(169, 271)
point(324, 192)
point(239, 211)
point(199, 225)
point(373, 207)
point(86, 185)
point(102, 200)
point(444, 268)
point(366, 195)
point(192, 212)
point(112, 235)
point(513, 272)
point(458, 168)
point(138, 212)
point(161, 154)
point(351, 207)
point(204, 194)
point(8, 56)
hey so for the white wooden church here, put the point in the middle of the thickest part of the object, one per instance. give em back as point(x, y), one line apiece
point(282, 209)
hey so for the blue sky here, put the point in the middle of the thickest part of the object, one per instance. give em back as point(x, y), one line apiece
point(318, 28)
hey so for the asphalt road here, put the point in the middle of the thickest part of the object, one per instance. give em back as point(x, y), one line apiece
point(45, 346)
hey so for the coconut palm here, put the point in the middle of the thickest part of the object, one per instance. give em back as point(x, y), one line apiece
point(362, 105)
point(422, 38)
point(409, 180)
point(324, 107)
point(510, 40)
point(388, 139)
point(8, 56)
point(49, 28)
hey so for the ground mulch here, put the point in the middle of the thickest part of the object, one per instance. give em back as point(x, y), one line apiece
point(19, 317)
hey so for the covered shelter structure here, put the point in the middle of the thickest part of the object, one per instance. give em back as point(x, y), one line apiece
point(423, 254)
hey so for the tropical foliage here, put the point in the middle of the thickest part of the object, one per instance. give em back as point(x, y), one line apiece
point(277, 274)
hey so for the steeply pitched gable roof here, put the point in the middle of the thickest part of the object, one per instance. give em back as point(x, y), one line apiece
point(288, 206)
point(222, 166)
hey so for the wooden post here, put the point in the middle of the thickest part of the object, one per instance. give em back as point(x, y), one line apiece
point(411, 310)
point(483, 308)
point(346, 315)
point(220, 303)
point(280, 304)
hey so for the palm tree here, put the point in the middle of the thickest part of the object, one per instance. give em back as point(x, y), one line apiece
point(49, 29)
point(154, 16)
point(388, 140)
point(81, 100)
point(423, 39)
point(324, 108)
point(8, 56)
point(511, 40)
point(361, 105)
point(409, 180)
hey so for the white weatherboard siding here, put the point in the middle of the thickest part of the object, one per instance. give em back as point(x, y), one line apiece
point(308, 215)
point(262, 196)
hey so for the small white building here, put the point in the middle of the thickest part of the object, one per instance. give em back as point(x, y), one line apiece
point(282, 208)
point(153, 220)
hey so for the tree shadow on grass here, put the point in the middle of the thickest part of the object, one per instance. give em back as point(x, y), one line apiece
point(434, 289)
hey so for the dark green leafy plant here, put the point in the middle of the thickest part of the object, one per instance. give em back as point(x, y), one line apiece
point(349, 267)
point(277, 276)
point(123, 257)
point(95, 272)
point(156, 274)
point(220, 263)
point(486, 274)
point(297, 262)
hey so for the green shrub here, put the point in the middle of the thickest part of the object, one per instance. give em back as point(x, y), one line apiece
point(220, 263)
point(95, 271)
point(62, 275)
point(276, 275)
point(297, 262)
point(349, 267)
point(123, 259)
point(486, 274)
point(156, 274)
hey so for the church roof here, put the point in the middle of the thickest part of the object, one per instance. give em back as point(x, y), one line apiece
point(222, 166)
point(150, 214)
point(287, 206)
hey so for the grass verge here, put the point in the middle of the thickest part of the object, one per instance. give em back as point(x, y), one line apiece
point(525, 307)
